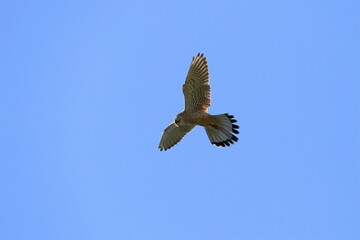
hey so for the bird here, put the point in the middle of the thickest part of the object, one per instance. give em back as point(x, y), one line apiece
point(220, 128)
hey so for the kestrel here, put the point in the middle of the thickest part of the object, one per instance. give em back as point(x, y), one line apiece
point(196, 90)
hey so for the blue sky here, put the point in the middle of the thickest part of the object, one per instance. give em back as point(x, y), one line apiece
point(86, 88)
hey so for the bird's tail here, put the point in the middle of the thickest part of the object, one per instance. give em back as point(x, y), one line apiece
point(221, 134)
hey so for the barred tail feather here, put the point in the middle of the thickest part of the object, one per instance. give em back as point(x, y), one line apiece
point(222, 135)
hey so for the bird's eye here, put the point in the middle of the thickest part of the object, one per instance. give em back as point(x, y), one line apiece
point(177, 120)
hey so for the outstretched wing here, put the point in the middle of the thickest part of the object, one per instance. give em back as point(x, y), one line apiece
point(173, 134)
point(196, 88)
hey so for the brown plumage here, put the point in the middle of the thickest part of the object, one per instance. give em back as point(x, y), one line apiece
point(196, 90)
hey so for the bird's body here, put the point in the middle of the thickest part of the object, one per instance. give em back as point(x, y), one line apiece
point(196, 89)
point(198, 118)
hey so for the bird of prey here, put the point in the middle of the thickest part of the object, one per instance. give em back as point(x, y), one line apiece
point(196, 90)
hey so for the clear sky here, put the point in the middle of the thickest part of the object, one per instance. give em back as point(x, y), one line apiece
point(87, 87)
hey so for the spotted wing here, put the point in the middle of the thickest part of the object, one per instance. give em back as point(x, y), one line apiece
point(196, 88)
point(173, 134)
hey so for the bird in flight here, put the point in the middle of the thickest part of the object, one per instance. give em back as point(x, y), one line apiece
point(196, 90)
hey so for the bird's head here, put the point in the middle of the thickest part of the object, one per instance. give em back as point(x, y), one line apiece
point(177, 120)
